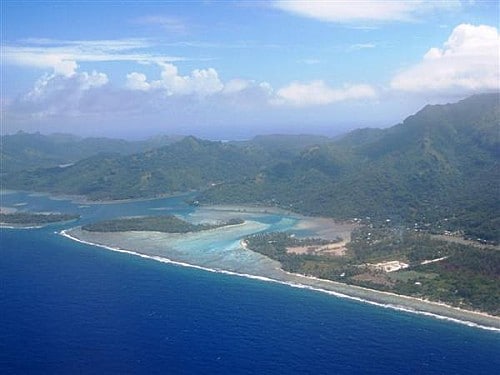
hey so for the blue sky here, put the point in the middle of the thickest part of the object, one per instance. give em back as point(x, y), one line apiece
point(233, 69)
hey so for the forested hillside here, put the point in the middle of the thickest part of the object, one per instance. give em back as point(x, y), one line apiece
point(188, 164)
point(22, 151)
point(438, 170)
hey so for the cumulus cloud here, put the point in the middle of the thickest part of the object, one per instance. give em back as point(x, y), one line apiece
point(81, 93)
point(137, 81)
point(236, 85)
point(468, 61)
point(319, 93)
point(366, 10)
point(55, 94)
point(200, 82)
point(245, 94)
point(206, 83)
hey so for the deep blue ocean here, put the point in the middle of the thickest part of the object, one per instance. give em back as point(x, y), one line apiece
point(70, 308)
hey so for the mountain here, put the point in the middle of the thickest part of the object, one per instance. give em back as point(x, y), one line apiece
point(438, 169)
point(283, 146)
point(184, 165)
point(34, 150)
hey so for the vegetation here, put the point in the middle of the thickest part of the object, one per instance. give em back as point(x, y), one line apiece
point(188, 164)
point(23, 151)
point(464, 276)
point(29, 218)
point(164, 223)
point(439, 171)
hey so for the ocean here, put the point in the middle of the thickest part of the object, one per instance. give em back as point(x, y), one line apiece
point(68, 307)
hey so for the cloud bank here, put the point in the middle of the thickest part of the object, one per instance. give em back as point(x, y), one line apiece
point(468, 61)
point(319, 93)
point(73, 93)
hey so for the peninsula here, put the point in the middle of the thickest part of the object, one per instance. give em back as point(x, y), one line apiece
point(33, 219)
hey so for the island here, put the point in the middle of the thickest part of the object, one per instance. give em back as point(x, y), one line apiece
point(161, 223)
point(423, 195)
point(34, 218)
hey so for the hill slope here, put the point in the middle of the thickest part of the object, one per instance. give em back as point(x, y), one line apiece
point(188, 164)
point(438, 169)
point(34, 150)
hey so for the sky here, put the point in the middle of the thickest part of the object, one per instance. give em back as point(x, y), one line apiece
point(234, 69)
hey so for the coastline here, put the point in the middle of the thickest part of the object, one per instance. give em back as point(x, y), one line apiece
point(82, 199)
point(381, 299)
point(247, 209)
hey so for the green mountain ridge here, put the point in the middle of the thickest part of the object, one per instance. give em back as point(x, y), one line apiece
point(438, 170)
point(185, 165)
point(34, 150)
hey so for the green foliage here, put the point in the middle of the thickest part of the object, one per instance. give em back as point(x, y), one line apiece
point(182, 166)
point(29, 218)
point(468, 278)
point(274, 245)
point(465, 276)
point(162, 223)
point(439, 169)
point(30, 151)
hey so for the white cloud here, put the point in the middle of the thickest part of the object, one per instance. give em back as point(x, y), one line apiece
point(61, 63)
point(137, 81)
point(468, 61)
point(206, 83)
point(200, 82)
point(366, 10)
point(243, 94)
point(62, 56)
point(55, 94)
point(235, 85)
point(82, 94)
point(318, 93)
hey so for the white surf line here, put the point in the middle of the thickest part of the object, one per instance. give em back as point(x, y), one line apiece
point(20, 227)
point(433, 260)
point(291, 284)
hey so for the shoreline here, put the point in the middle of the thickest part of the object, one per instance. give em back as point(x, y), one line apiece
point(82, 199)
point(247, 209)
point(414, 305)
point(20, 226)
